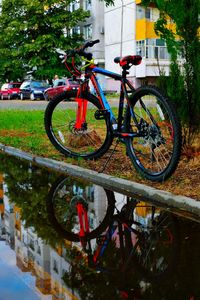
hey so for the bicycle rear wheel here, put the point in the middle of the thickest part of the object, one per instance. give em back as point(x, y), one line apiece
point(157, 244)
point(91, 140)
point(155, 152)
point(97, 203)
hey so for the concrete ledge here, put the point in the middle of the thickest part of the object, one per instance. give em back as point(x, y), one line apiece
point(126, 187)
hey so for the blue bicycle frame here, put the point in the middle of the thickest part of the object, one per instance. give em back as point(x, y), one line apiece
point(116, 123)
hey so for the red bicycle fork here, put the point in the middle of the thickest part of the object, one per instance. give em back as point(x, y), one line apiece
point(83, 220)
point(81, 113)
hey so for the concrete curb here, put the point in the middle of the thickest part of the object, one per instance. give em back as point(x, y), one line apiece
point(126, 187)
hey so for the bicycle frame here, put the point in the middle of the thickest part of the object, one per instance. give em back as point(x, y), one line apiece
point(116, 123)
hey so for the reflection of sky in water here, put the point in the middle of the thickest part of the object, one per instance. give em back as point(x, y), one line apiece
point(13, 283)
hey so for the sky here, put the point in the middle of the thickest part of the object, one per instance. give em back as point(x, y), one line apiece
point(14, 284)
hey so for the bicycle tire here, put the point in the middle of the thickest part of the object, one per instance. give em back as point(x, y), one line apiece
point(60, 191)
point(59, 120)
point(154, 154)
point(157, 248)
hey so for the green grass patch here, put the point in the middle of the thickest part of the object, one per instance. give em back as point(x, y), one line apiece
point(27, 121)
point(24, 130)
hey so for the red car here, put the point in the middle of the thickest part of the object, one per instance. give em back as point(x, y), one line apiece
point(10, 90)
point(61, 85)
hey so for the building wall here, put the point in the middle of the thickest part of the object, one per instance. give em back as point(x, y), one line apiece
point(129, 30)
point(119, 36)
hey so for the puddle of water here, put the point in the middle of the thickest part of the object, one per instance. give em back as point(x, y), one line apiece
point(66, 238)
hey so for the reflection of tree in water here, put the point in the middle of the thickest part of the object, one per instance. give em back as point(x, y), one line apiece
point(93, 284)
point(113, 278)
point(27, 188)
point(182, 282)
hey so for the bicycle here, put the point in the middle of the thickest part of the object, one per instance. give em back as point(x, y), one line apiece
point(148, 244)
point(82, 124)
point(71, 208)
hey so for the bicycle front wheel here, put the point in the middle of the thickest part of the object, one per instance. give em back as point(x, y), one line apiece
point(62, 206)
point(76, 127)
point(156, 149)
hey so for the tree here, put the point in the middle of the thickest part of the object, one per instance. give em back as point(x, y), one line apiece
point(30, 30)
point(183, 83)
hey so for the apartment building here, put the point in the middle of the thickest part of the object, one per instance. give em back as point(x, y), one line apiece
point(93, 27)
point(129, 29)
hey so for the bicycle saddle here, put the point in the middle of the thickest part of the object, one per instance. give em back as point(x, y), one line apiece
point(128, 61)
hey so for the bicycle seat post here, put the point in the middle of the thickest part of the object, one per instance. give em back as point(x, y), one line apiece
point(124, 72)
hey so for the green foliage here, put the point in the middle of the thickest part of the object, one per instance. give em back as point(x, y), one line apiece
point(29, 33)
point(27, 188)
point(184, 83)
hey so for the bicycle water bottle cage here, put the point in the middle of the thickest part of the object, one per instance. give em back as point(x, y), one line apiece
point(128, 61)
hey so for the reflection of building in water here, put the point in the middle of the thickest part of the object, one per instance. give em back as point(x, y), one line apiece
point(2, 222)
point(96, 199)
point(59, 265)
point(35, 257)
point(6, 214)
point(144, 213)
point(48, 265)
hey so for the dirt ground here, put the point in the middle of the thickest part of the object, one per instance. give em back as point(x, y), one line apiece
point(185, 181)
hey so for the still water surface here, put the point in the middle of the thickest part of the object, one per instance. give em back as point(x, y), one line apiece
point(66, 238)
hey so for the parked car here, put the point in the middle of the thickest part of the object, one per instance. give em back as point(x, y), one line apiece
point(10, 90)
point(61, 85)
point(33, 89)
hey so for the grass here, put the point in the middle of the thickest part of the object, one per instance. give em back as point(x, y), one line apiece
point(25, 130)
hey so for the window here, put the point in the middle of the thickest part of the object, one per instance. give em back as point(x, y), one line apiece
point(140, 48)
point(87, 4)
point(87, 31)
point(152, 48)
point(31, 244)
point(148, 13)
point(39, 250)
point(76, 30)
point(25, 85)
point(74, 5)
point(59, 82)
point(14, 85)
point(55, 266)
point(160, 42)
point(4, 86)
point(140, 12)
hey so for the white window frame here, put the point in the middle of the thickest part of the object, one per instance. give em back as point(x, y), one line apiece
point(87, 31)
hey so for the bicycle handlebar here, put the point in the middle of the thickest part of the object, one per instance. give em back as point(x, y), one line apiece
point(90, 44)
point(71, 53)
point(80, 51)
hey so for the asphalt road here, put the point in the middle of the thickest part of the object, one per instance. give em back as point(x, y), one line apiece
point(35, 105)
point(23, 105)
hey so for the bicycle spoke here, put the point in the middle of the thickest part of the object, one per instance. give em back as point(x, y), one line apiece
point(73, 133)
point(155, 142)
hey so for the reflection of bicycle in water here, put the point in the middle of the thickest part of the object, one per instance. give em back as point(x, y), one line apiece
point(78, 209)
point(137, 236)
